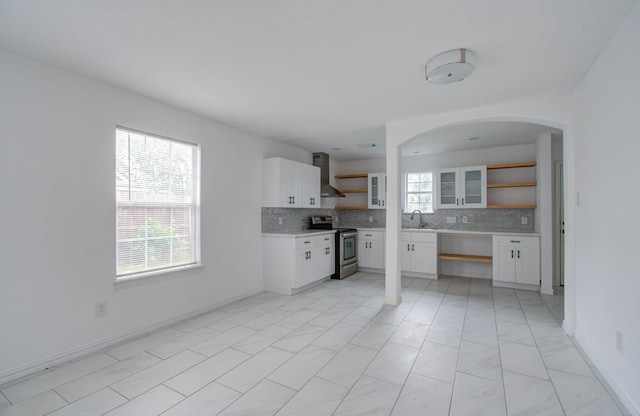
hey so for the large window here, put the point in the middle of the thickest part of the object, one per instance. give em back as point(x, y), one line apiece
point(419, 192)
point(157, 203)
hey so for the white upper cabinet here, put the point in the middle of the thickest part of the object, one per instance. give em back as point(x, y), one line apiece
point(290, 184)
point(462, 187)
point(377, 190)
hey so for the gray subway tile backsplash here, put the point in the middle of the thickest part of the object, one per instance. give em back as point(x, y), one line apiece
point(295, 219)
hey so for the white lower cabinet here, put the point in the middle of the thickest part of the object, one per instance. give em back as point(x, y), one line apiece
point(371, 249)
point(292, 262)
point(516, 260)
point(419, 253)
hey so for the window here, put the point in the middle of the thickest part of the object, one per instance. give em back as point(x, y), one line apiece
point(157, 203)
point(419, 192)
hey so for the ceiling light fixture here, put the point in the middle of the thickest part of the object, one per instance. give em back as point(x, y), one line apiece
point(451, 66)
point(365, 145)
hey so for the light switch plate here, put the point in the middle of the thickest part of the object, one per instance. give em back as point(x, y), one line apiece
point(525, 220)
point(464, 219)
point(451, 220)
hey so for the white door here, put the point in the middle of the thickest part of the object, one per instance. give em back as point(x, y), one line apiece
point(473, 184)
point(305, 267)
point(448, 188)
point(405, 256)
point(310, 189)
point(290, 183)
point(505, 264)
point(424, 257)
point(376, 185)
point(528, 265)
point(559, 220)
point(376, 254)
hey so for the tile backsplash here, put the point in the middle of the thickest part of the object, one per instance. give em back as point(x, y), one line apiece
point(295, 219)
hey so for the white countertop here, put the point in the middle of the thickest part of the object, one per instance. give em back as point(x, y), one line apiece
point(300, 233)
point(463, 232)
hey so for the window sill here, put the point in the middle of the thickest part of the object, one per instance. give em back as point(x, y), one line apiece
point(156, 275)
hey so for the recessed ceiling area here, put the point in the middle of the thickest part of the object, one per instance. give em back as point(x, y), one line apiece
point(318, 74)
point(475, 136)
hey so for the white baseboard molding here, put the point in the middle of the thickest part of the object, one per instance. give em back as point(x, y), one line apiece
point(631, 406)
point(16, 373)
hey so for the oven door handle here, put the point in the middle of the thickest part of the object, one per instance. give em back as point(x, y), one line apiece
point(345, 235)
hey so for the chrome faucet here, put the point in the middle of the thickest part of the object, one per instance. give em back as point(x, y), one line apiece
point(420, 223)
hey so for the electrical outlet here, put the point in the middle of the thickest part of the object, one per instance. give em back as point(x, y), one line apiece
point(101, 309)
point(370, 218)
point(619, 345)
point(464, 219)
point(451, 220)
point(578, 199)
point(525, 220)
point(279, 220)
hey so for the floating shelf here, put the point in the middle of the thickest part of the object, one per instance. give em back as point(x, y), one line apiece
point(511, 206)
point(511, 185)
point(352, 207)
point(354, 191)
point(512, 165)
point(465, 257)
point(353, 175)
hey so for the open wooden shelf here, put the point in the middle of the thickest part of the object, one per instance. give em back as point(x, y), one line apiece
point(352, 207)
point(354, 191)
point(512, 165)
point(511, 185)
point(512, 206)
point(465, 257)
point(353, 175)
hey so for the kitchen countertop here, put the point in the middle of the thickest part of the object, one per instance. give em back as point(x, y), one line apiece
point(463, 232)
point(299, 233)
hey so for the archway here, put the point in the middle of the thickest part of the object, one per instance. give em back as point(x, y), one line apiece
point(553, 113)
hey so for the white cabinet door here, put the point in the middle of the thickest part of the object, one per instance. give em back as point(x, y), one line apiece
point(424, 257)
point(377, 190)
point(310, 190)
point(405, 256)
point(473, 183)
point(528, 265)
point(376, 254)
point(448, 193)
point(462, 187)
point(290, 183)
point(325, 265)
point(504, 265)
point(305, 267)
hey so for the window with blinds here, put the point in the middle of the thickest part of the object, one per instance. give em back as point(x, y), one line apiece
point(419, 192)
point(157, 203)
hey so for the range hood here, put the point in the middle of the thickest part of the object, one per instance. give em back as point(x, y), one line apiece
point(321, 160)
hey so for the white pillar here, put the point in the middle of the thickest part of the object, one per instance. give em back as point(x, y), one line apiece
point(544, 220)
point(392, 244)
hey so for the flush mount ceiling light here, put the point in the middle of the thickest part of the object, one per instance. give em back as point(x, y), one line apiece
point(451, 66)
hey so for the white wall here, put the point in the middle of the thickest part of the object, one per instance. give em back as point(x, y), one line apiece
point(57, 253)
point(607, 156)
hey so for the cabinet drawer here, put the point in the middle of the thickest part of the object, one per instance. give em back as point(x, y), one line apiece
point(371, 235)
point(515, 240)
point(304, 242)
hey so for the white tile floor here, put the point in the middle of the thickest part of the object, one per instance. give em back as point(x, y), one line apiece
point(454, 346)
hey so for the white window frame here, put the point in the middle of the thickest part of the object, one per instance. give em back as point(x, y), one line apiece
point(195, 214)
point(406, 192)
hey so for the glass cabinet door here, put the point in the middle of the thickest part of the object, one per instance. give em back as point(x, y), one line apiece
point(448, 188)
point(377, 190)
point(374, 196)
point(474, 193)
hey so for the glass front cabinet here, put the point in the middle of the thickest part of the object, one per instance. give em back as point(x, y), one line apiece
point(377, 190)
point(462, 187)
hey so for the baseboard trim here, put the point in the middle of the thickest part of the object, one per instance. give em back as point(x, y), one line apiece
point(16, 373)
point(626, 401)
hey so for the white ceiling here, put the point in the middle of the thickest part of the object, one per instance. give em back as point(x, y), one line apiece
point(320, 74)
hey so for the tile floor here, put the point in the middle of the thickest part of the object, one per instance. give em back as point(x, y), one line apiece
point(455, 346)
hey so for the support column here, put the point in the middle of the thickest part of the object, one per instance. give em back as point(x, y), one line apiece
point(392, 244)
